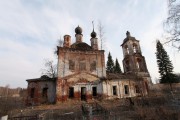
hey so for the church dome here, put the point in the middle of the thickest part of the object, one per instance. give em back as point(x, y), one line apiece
point(78, 30)
point(81, 46)
point(93, 34)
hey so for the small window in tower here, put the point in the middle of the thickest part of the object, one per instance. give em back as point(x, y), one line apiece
point(71, 65)
point(126, 50)
point(135, 48)
point(93, 66)
point(126, 89)
point(139, 64)
point(114, 90)
point(32, 92)
point(82, 66)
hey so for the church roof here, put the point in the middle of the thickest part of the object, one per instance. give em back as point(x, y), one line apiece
point(42, 78)
point(82, 46)
point(111, 76)
point(128, 37)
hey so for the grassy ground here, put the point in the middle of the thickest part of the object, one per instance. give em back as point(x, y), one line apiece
point(152, 107)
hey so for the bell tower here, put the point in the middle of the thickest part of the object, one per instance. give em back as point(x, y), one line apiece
point(133, 60)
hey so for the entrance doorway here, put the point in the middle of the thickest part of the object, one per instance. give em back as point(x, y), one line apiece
point(45, 95)
point(83, 93)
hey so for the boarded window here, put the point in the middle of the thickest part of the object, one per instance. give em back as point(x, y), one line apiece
point(32, 92)
point(126, 89)
point(44, 92)
point(114, 90)
point(82, 66)
point(94, 90)
point(71, 92)
point(137, 89)
point(93, 66)
point(71, 65)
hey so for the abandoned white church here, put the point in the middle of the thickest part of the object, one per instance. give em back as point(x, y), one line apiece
point(82, 73)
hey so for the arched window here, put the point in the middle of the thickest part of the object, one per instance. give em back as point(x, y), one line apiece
point(126, 49)
point(135, 48)
point(139, 64)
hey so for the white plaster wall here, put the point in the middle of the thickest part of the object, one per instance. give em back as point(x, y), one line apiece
point(88, 86)
point(99, 88)
point(108, 88)
point(101, 72)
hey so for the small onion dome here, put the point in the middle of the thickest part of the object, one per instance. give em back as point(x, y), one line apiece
point(93, 34)
point(78, 30)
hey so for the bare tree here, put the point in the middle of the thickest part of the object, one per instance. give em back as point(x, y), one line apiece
point(50, 69)
point(101, 34)
point(172, 23)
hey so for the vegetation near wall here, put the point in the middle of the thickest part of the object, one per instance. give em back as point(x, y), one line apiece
point(11, 99)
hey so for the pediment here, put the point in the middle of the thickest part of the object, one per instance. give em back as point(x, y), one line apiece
point(82, 78)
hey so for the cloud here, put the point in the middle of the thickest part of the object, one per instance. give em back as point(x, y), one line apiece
point(29, 31)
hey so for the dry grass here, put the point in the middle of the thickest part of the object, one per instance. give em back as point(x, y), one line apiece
point(152, 107)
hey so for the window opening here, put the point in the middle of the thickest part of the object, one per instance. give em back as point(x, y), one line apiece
point(32, 92)
point(44, 92)
point(94, 89)
point(126, 89)
point(126, 49)
point(135, 49)
point(114, 90)
point(71, 92)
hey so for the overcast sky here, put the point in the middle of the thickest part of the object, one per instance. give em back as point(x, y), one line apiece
point(29, 30)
